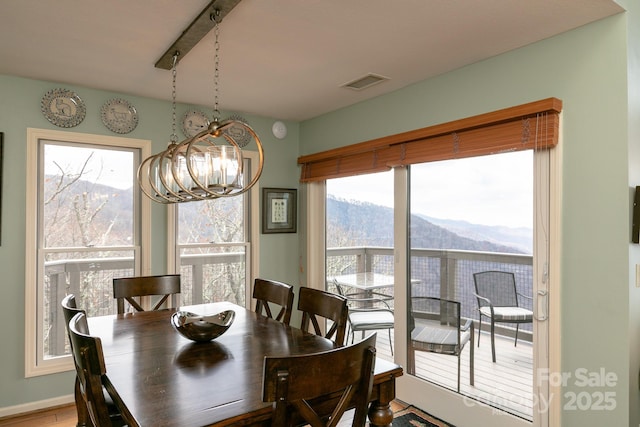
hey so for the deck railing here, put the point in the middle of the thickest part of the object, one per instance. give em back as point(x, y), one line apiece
point(445, 273)
point(440, 273)
point(91, 280)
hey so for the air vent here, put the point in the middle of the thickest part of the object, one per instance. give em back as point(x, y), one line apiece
point(365, 82)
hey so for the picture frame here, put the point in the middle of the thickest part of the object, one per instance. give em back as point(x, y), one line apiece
point(279, 210)
point(1, 173)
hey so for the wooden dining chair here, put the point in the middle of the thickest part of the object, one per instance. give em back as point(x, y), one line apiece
point(268, 292)
point(70, 309)
point(316, 304)
point(293, 382)
point(127, 288)
point(90, 369)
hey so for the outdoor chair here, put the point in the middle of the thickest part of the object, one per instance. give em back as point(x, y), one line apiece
point(436, 327)
point(293, 382)
point(316, 304)
point(367, 313)
point(90, 369)
point(268, 292)
point(127, 288)
point(498, 300)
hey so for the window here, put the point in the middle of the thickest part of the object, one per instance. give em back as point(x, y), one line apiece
point(214, 246)
point(83, 229)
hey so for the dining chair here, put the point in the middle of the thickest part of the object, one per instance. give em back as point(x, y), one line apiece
point(436, 327)
point(497, 299)
point(367, 313)
point(292, 382)
point(127, 288)
point(70, 309)
point(267, 292)
point(316, 304)
point(91, 370)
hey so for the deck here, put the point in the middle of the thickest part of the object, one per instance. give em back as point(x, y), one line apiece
point(505, 385)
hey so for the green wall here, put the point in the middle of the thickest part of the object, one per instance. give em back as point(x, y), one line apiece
point(19, 110)
point(586, 69)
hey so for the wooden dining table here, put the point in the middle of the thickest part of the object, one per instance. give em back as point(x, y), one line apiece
point(159, 378)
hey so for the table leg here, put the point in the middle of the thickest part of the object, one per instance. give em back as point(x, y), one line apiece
point(380, 413)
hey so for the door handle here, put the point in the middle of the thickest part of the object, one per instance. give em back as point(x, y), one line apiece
point(542, 305)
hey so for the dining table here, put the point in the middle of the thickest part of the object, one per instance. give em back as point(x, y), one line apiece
point(159, 378)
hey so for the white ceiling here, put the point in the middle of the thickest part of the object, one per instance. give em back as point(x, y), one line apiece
point(285, 59)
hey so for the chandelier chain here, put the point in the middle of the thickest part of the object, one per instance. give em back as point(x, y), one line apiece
point(216, 69)
point(174, 71)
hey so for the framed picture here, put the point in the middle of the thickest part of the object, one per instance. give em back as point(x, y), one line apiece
point(1, 162)
point(279, 210)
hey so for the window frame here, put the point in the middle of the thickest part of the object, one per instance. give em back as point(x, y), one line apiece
point(252, 234)
point(35, 364)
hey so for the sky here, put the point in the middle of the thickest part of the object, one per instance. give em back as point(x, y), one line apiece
point(488, 190)
point(111, 167)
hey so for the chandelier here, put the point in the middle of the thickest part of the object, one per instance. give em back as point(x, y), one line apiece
point(208, 165)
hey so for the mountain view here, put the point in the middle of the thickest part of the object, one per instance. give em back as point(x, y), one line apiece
point(367, 224)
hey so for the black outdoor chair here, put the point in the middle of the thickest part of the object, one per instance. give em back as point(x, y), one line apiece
point(436, 327)
point(498, 300)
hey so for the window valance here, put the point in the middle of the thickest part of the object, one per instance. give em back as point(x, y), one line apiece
point(529, 126)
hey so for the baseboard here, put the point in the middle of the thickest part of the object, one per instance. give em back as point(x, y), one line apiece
point(25, 408)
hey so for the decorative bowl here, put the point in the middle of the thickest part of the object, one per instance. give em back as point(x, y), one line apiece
point(202, 328)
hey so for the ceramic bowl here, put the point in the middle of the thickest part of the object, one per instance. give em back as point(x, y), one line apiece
point(202, 328)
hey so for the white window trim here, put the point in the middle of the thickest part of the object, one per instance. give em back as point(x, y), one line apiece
point(34, 366)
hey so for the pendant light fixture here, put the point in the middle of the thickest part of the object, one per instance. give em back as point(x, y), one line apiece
point(206, 166)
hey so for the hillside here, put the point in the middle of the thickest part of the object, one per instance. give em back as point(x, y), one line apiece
point(372, 225)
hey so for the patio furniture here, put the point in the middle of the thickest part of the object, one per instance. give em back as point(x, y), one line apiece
point(126, 288)
point(316, 304)
point(293, 382)
point(436, 327)
point(278, 293)
point(497, 298)
point(367, 314)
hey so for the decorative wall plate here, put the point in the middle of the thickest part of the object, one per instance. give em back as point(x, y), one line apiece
point(119, 116)
point(63, 108)
point(194, 122)
point(239, 134)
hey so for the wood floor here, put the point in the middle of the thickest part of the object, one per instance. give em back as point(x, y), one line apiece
point(62, 416)
point(65, 416)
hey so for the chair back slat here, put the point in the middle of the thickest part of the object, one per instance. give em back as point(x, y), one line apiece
point(267, 292)
point(316, 304)
point(128, 288)
point(293, 382)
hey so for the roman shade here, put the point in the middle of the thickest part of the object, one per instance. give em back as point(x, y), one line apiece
point(528, 126)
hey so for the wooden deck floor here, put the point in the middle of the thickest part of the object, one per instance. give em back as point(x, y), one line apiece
point(506, 385)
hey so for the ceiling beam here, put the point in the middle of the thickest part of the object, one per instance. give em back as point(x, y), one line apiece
point(195, 32)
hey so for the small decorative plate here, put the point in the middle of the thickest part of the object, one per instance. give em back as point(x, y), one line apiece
point(63, 108)
point(119, 116)
point(239, 134)
point(194, 122)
